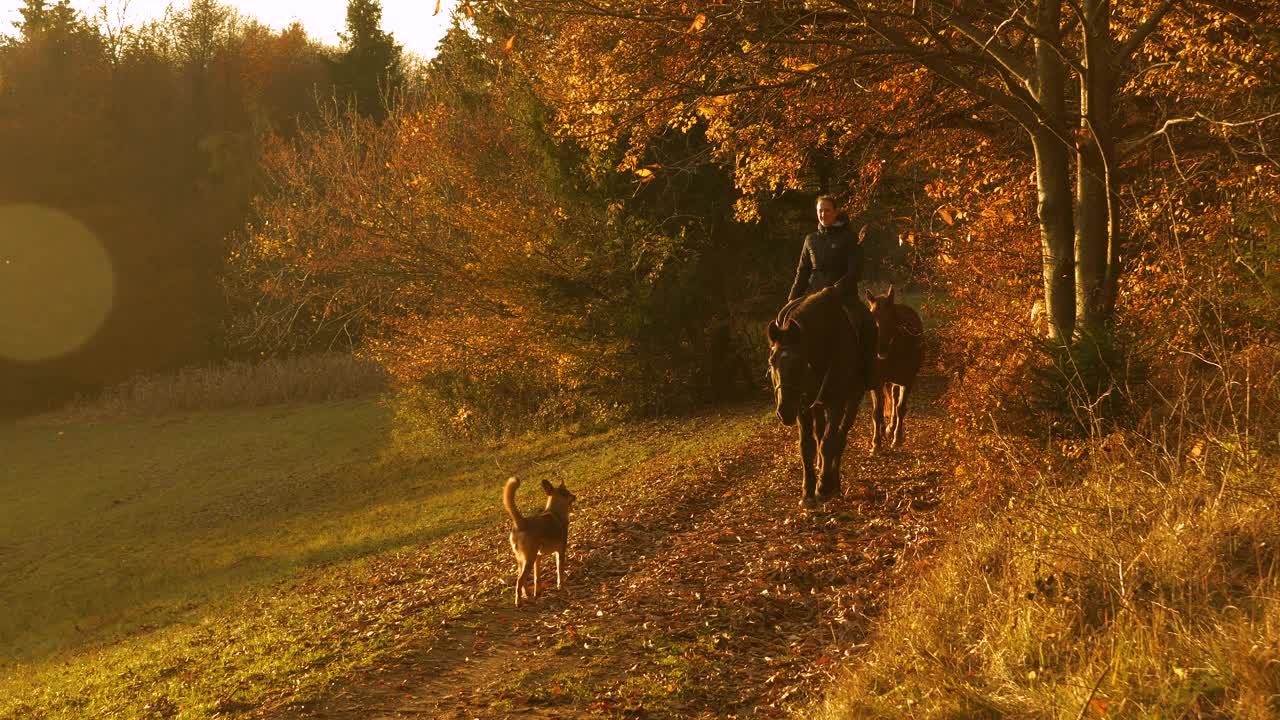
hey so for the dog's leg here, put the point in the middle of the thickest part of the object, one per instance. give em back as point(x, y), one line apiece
point(559, 555)
point(535, 574)
point(522, 577)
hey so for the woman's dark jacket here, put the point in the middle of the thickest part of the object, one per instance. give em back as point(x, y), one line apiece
point(831, 257)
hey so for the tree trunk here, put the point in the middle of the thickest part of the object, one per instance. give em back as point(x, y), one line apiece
point(1053, 185)
point(1096, 246)
point(1053, 177)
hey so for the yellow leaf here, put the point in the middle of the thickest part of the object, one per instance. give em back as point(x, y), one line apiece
point(644, 172)
point(511, 42)
point(437, 10)
point(698, 23)
point(806, 67)
point(946, 216)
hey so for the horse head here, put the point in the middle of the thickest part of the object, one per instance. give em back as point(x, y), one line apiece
point(790, 372)
point(886, 321)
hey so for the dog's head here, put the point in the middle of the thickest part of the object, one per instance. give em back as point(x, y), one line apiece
point(558, 497)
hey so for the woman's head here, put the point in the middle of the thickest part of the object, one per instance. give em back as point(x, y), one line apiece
point(827, 213)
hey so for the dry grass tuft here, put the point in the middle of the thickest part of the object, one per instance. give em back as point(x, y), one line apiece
point(1132, 573)
point(313, 378)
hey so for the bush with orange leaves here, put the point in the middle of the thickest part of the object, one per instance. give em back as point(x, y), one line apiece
point(501, 280)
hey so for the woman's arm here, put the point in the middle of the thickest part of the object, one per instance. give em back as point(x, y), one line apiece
point(803, 270)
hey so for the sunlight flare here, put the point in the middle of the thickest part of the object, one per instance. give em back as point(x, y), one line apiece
point(57, 284)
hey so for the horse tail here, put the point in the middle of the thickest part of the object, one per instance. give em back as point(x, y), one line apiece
point(509, 502)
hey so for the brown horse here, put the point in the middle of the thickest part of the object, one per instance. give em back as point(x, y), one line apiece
point(816, 367)
point(899, 355)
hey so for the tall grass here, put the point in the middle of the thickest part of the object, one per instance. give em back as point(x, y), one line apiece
point(235, 384)
point(1132, 572)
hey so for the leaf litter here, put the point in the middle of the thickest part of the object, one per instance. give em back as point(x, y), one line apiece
point(694, 590)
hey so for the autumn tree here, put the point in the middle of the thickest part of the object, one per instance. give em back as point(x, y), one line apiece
point(512, 277)
point(1063, 73)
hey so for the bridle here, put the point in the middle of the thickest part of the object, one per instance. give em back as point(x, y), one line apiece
point(884, 340)
point(776, 376)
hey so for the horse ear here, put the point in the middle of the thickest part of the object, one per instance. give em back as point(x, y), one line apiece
point(775, 332)
point(548, 487)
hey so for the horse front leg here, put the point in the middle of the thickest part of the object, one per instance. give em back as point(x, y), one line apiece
point(877, 418)
point(833, 443)
point(900, 414)
point(808, 453)
point(820, 424)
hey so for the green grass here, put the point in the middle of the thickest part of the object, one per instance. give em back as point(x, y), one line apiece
point(111, 526)
point(206, 563)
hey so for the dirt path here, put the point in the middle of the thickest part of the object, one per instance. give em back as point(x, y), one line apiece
point(688, 595)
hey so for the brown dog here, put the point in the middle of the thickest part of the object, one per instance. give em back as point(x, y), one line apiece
point(547, 532)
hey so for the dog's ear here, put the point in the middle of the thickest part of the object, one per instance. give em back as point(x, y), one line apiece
point(548, 487)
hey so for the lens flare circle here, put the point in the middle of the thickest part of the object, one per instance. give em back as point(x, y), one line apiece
point(57, 284)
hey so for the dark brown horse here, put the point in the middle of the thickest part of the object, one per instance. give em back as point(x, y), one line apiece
point(817, 369)
point(899, 355)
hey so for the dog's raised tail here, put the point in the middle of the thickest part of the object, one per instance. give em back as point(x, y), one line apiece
point(509, 501)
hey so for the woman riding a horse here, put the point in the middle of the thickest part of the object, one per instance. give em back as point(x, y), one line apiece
point(822, 351)
point(832, 256)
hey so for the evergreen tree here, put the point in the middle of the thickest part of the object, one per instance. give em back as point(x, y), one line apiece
point(38, 17)
point(369, 69)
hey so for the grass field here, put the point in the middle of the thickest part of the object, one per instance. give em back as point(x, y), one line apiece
point(137, 554)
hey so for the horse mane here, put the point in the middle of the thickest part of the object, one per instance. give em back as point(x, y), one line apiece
point(811, 307)
point(784, 315)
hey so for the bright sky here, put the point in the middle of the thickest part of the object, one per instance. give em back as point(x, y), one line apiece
point(410, 21)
